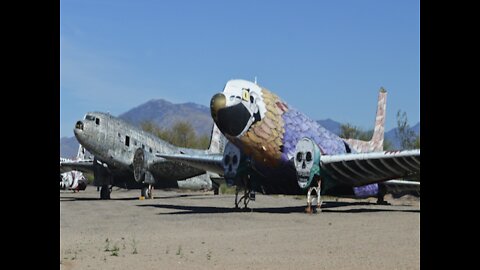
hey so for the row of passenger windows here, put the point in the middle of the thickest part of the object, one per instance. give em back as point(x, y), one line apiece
point(127, 142)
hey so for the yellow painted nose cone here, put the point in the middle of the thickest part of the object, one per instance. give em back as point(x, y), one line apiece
point(217, 102)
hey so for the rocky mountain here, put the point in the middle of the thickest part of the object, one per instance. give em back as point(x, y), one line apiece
point(165, 114)
point(331, 125)
point(68, 147)
point(391, 135)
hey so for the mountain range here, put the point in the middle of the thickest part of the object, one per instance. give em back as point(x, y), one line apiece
point(165, 114)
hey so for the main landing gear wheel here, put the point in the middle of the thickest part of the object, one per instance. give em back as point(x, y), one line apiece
point(147, 192)
point(105, 192)
point(313, 204)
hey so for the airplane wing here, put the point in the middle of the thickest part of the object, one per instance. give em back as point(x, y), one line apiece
point(83, 166)
point(399, 186)
point(207, 162)
point(367, 168)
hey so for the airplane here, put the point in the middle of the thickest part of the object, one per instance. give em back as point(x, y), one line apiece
point(72, 179)
point(275, 149)
point(116, 144)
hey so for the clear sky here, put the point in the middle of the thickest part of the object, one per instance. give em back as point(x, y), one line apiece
point(325, 58)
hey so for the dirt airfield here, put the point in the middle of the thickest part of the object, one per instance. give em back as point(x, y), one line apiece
point(199, 230)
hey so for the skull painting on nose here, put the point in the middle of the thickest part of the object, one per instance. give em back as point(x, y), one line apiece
point(307, 160)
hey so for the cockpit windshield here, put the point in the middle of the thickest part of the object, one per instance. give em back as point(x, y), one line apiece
point(89, 117)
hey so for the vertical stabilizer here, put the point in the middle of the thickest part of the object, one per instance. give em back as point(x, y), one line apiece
point(376, 143)
point(81, 153)
point(379, 131)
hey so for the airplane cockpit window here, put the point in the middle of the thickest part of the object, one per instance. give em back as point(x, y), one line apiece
point(89, 117)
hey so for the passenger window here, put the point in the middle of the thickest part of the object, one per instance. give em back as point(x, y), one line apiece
point(150, 150)
point(97, 121)
point(127, 141)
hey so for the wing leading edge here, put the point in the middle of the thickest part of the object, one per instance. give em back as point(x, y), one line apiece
point(83, 166)
point(367, 168)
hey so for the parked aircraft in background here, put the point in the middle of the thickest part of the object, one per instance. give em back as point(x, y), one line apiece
point(275, 149)
point(114, 143)
point(73, 180)
point(70, 178)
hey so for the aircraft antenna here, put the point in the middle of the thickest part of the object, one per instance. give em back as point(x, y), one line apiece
point(255, 79)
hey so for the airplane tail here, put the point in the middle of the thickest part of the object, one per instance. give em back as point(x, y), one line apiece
point(376, 143)
point(217, 141)
point(80, 153)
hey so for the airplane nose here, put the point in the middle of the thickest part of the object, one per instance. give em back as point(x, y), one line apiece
point(217, 102)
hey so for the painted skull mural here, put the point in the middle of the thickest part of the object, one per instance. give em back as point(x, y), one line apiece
point(231, 162)
point(307, 160)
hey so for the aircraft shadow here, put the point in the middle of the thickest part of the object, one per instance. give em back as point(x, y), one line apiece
point(71, 198)
point(96, 199)
point(182, 210)
point(332, 207)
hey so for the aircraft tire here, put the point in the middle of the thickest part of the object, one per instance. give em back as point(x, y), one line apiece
point(146, 193)
point(105, 193)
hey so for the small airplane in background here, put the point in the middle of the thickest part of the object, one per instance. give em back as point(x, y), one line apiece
point(71, 179)
point(275, 149)
point(124, 156)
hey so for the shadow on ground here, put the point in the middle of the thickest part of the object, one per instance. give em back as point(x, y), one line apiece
point(72, 198)
point(333, 207)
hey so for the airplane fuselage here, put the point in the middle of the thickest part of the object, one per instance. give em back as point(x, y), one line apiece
point(267, 129)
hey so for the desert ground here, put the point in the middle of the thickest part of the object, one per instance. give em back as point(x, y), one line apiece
point(198, 230)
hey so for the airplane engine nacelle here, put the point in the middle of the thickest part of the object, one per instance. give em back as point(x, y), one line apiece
point(231, 162)
point(371, 190)
point(307, 162)
point(142, 161)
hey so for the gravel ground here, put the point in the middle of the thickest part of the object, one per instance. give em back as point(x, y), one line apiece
point(199, 230)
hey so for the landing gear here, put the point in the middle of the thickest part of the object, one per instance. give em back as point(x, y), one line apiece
point(313, 207)
point(147, 192)
point(105, 192)
point(381, 194)
point(248, 194)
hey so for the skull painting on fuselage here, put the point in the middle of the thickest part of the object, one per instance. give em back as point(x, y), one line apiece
point(307, 161)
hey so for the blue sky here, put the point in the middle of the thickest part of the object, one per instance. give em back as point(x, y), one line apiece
point(325, 58)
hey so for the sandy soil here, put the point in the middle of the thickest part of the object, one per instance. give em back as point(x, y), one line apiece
point(195, 230)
